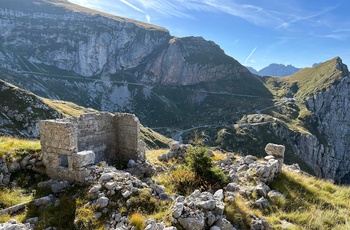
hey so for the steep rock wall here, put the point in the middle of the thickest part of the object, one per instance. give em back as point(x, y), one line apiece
point(91, 43)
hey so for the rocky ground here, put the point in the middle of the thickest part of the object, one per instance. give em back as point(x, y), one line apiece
point(114, 194)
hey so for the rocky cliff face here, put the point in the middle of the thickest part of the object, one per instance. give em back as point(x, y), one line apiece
point(327, 151)
point(58, 34)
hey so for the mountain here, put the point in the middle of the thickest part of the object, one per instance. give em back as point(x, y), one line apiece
point(60, 35)
point(59, 50)
point(322, 108)
point(278, 70)
point(21, 111)
point(183, 87)
point(252, 70)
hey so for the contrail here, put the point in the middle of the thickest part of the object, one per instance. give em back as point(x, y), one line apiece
point(132, 6)
point(250, 55)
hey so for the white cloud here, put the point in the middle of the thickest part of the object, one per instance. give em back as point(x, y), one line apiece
point(148, 18)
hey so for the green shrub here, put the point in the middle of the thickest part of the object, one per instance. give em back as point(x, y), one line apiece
point(202, 165)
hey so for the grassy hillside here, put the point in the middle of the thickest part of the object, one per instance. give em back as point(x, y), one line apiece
point(301, 86)
point(308, 81)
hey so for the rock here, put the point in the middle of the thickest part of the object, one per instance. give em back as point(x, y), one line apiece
point(275, 196)
point(230, 156)
point(131, 163)
point(267, 158)
point(215, 228)
point(192, 223)
point(106, 177)
point(126, 194)
point(208, 205)
point(210, 153)
point(210, 218)
point(249, 159)
point(170, 228)
point(158, 188)
point(165, 196)
point(177, 209)
point(261, 203)
point(24, 161)
point(174, 145)
point(43, 201)
point(275, 150)
point(180, 199)
point(162, 157)
point(33, 220)
point(219, 195)
point(243, 168)
point(83, 158)
point(102, 202)
point(232, 187)
point(261, 189)
point(260, 224)
point(95, 189)
point(98, 215)
point(110, 185)
point(224, 224)
point(57, 186)
point(220, 208)
point(13, 225)
point(13, 167)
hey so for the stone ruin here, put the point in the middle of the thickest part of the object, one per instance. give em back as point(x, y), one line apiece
point(70, 145)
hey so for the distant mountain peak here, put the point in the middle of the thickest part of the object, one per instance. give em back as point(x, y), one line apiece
point(274, 69)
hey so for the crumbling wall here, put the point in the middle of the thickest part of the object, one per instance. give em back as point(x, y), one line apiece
point(58, 142)
point(96, 132)
point(68, 145)
point(127, 128)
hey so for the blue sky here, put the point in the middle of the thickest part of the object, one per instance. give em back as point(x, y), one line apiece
point(254, 32)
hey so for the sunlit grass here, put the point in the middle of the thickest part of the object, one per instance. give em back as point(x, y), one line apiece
point(68, 108)
point(10, 197)
point(16, 147)
point(311, 203)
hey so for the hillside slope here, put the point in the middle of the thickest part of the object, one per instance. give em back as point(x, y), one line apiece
point(322, 108)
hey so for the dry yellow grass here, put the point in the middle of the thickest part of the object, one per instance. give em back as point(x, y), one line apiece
point(13, 147)
point(68, 108)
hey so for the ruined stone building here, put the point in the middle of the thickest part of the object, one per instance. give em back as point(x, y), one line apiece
point(69, 145)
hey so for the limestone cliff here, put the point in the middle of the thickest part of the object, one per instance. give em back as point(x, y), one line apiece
point(45, 35)
point(327, 148)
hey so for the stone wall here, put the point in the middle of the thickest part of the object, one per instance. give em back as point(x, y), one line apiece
point(68, 145)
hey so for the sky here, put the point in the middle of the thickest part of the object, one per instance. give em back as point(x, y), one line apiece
point(254, 32)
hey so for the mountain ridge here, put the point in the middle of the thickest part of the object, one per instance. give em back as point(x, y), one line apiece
point(274, 69)
point(97, 49)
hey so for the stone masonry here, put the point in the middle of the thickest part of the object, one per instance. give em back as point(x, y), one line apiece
point(69, 145)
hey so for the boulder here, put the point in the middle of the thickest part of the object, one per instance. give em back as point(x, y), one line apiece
point(224, 224)
point(106, 177)
point(275, 196)
point(191, 223)
point(275, 150)
point(57, 186)
point(174, 145)
point(177, 209)
point(83, 158)
point(102, 202)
